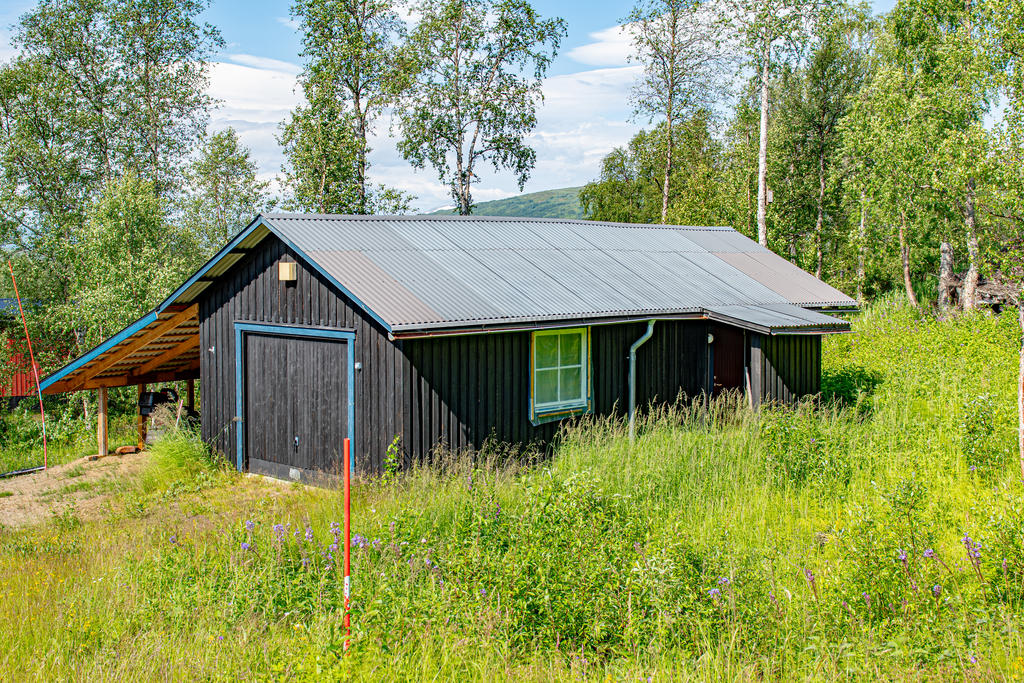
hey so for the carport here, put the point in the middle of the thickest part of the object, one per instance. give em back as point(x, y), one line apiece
point(162, 346)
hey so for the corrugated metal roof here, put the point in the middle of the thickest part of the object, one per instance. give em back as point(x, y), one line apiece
point(775, 318)
point(452, 272)
point(434, 271)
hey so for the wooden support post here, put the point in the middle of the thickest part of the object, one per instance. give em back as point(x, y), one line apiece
point(140, 422)
point(101, 422)
point(191, 394)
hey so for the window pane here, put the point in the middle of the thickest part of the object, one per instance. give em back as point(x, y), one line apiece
point(545, 389)
point(570, 344)
point(571, 385)
point(547, 351)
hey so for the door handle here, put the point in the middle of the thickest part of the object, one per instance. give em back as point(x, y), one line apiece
point(296, 443)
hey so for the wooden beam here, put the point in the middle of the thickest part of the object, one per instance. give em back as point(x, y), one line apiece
point(140, 421)
point(116, 354)
point(190, 386)
point(170, 354)
point(101, 421)
point(190, 371)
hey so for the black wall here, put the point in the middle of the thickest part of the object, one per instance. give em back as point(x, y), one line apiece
point(459, 390)
point(250, 291)
point(784, 368)
point(464, 389)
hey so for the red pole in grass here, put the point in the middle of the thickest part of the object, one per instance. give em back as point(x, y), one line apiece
point(31, 357)
point(348, 537)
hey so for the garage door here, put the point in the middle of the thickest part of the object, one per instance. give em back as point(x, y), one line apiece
point(297, 403)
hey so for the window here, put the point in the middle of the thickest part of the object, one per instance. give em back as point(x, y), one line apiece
point(561, 376)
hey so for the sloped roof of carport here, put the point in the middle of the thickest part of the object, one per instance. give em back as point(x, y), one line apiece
point(437, 272)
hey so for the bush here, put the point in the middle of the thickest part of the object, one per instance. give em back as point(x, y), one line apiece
point(986, 437)
point(801, 449)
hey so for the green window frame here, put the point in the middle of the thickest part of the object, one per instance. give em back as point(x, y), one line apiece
point(559, 373)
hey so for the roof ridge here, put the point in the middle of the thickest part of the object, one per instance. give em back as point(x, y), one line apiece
point(492, 219)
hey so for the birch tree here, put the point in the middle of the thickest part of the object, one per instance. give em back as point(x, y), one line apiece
point(773, 32)
point(222, 192)
point(353, 54)
point(676, 42)
point(479, 67)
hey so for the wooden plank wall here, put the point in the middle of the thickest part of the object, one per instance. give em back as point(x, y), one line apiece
point(250, 291)
point(467, 389)
point(790, 367)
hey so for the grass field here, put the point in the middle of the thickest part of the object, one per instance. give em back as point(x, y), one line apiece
point(878, 534)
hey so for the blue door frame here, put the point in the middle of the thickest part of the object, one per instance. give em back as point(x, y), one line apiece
point(241, 329)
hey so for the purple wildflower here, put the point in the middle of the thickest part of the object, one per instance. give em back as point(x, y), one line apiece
point(723, 581)
point(335, 529)
point(246, 546)
point(483, 591)
point(902, 555)
point(249, 525)
point(973, 548)
point(220, 637)
point(867, 599)
point(714, 593)
point(936, 590)
point(174, 541)
point(359, 541)
point(279, 531)
point(309, 534)
point(929, 553)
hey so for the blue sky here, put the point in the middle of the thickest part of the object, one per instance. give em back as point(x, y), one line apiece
point(585, 114)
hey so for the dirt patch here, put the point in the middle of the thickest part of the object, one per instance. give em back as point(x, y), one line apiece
point(82, 484)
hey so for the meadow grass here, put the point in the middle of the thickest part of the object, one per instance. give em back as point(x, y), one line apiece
point(877, 532)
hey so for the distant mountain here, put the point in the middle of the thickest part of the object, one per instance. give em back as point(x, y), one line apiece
point(560, 203)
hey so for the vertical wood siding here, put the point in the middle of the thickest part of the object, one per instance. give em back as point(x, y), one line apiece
point(468, 389)
point(251, 292)
point(789, 366)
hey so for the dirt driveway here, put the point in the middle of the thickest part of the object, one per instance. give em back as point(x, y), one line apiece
point(82, 484)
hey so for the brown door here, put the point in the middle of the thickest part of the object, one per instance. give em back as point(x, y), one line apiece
point(728, 353)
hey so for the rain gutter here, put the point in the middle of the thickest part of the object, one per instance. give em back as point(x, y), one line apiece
point(632, 377)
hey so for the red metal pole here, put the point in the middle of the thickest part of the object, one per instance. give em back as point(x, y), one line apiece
point(32, 358)
point(348, 538)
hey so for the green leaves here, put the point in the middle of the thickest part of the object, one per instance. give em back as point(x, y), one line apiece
point(478, 66)
point(356, 67)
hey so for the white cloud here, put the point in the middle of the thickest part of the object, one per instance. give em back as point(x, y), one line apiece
point(255, 95)
point(265, 63)
point(609, 47)
point(289, 22)
point(584, 115)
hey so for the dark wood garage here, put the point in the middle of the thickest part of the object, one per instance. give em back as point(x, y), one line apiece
point(448, 331)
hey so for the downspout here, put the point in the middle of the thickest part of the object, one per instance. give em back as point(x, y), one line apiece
point(632, 378)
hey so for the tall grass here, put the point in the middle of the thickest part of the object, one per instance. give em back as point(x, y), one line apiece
point(877, 532)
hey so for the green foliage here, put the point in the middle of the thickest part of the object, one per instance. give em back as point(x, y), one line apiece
point(630, 187)
point(98, 91)
point(131, 256)
point(180, 460)
point(222, 192)
point(354, 69)
point(803, 447)
point(478, 69)
point(987, 433)
point(720, 541)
